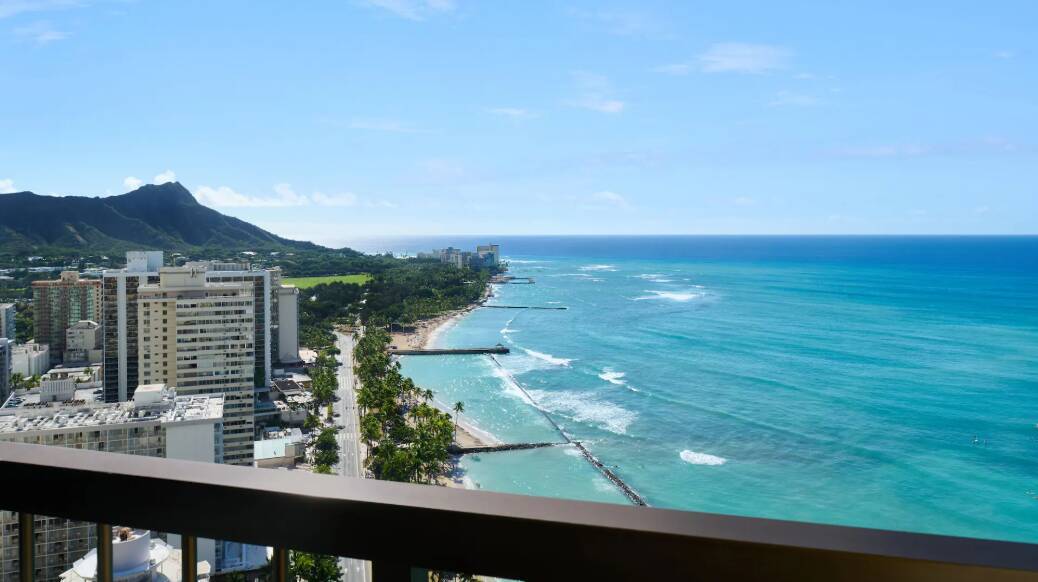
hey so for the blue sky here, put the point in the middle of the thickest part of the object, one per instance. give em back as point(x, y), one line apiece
point(395, 117)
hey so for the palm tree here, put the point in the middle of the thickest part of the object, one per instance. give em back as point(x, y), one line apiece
point(459, 407)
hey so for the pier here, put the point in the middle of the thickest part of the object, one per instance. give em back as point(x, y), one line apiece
point(615, 479)
point(525, 307)
point(498, 349)
point(457, 450)
point(510, 280)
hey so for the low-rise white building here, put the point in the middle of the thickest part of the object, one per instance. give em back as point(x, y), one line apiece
point(30, 359)
point(83, 343)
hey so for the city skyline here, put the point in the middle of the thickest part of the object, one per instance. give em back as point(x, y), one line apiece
point(394, 117)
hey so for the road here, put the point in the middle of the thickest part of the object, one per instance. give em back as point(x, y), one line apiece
point(351, 457)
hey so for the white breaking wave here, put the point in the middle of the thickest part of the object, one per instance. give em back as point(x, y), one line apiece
point(695, 458)
point(507, 330)
point(679, 296)
point(609, 268)
point(548, 357)
point(655, 278)
point(523, 261)
point(585, 407)
point(613, 377)
point(511, 387)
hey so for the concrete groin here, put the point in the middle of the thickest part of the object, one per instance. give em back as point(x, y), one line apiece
point(525, 307)
point(615, 479)
point(448, 351)
point(458, 450)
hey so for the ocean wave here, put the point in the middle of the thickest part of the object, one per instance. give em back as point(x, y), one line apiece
point(608, 268)
point(679, 296)
point(613, 377)
point(695, 458)
point(524, 261)
point(507, 330)
point(655, 278)
point(585, 407)
point(548, 357)
point(511, 386)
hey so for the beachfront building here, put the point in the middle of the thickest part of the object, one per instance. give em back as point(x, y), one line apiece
point(30, 359)
point(199, 336)
point(157, 423)
point(485, 256)
point(7, 325)
point(83, 343)
point(59, 304)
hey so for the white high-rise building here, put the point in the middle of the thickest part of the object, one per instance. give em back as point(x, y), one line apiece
point(199, 336)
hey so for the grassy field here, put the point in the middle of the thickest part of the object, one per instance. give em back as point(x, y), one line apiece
point(307, 282)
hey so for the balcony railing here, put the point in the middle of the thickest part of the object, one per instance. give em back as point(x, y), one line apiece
point(400, 527)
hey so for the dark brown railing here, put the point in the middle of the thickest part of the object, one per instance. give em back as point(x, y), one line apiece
point(399, 527)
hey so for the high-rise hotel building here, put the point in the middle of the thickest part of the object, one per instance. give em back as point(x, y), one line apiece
point(59, 304)
point(120, 316)
point(199, 336)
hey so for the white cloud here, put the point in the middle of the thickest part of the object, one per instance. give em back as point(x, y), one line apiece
point(132, 183)
point(284, 196)
point(512, 112)
point(610, 198)
point(388, 125)
point(7, 186)
point(13, 7)
point(40, 32)
point(413, 9)
point(344, 199)
point(622, 23)
point(736, 57)
point(676, 69)
point(167, 176)
point(790, 98)
point(595, 93)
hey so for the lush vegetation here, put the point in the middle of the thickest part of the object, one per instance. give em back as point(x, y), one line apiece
point(407, 438)
point(418, 290)
point(314, 567)
point(308, 282)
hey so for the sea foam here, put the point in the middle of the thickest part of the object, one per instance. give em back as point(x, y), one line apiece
point(613, 377)
point(548, 357)
point(585, 407)
point(695, 458)
point(679, 296)
point(608, 268)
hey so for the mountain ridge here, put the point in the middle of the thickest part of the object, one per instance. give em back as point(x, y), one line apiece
point(164, 216)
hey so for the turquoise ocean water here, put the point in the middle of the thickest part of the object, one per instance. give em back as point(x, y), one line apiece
point(878, 382)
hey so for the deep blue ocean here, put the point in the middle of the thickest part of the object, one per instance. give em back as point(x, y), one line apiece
point(886, 382)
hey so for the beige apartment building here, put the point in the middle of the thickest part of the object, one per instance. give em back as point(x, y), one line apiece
point(199, 336)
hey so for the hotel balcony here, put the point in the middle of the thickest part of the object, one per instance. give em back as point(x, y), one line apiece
point(405, 530)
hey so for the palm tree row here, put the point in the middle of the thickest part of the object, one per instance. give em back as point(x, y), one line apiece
point(408, 439)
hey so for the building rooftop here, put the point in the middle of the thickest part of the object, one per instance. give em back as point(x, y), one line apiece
point(24, 412)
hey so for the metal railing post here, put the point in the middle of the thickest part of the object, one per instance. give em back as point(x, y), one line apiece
point(104, 552)
point(279, 565)
point(26, 547)
point(188, 558)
